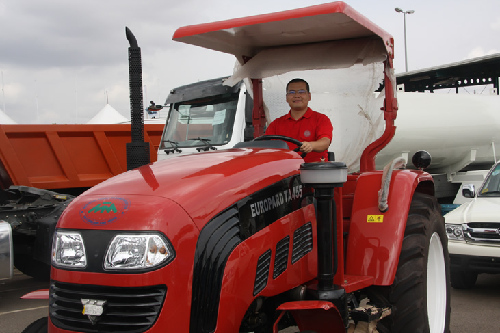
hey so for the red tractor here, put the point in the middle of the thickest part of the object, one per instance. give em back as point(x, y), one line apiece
point(252, 239)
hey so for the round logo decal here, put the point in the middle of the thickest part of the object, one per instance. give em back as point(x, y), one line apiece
point(104, 211)
point(307, 133)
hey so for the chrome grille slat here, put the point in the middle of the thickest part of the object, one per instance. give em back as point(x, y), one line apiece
point(482, 232)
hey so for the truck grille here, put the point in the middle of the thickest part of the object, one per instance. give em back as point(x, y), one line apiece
point(130, 310)
point(482, 232)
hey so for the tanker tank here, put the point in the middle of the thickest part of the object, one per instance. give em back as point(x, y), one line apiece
point(458, 130)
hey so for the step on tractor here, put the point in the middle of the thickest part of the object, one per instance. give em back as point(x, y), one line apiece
point(252, 238)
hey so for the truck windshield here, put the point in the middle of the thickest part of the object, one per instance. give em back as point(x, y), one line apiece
point(196, 123)
point(491, 186)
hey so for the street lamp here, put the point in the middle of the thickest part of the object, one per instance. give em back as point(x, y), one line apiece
point(399, 10)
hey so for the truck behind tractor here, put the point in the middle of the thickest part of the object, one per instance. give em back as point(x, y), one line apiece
point(33, 194)
point(251, 238)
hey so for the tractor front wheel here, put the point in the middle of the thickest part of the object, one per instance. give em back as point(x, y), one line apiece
point(420, 294)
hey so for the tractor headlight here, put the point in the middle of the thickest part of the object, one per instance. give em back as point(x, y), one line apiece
point(139, 251)
point(68, 250)
point(454, 231)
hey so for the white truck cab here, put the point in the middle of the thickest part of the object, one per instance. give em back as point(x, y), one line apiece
point(206, 116)
point(474, 232)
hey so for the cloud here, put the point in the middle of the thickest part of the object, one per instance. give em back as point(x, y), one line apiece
point(479, 52)
point(66, 58)
point(496, 24)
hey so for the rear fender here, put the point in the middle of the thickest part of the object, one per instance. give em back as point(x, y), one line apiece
point(375, 238)
point(318, 316)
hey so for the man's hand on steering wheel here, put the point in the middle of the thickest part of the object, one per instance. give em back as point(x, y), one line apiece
point(306, 147)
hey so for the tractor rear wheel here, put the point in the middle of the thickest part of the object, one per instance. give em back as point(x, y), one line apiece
point(420, 294)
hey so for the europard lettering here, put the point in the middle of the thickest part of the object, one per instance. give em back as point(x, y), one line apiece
point(280, 198)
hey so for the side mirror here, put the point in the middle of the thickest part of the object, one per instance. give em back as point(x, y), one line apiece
point(469, 191)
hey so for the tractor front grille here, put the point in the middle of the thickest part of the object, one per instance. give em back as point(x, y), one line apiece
point(130, 310)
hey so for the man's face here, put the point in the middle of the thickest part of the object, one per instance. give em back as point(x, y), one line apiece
point(299, 100)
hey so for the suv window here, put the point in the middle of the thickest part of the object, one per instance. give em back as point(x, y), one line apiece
point(491, 186)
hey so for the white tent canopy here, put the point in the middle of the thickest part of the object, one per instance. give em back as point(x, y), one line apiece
point(108, 115)
point(5, 119)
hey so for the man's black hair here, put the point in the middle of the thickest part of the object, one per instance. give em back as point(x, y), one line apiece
point(298, 80)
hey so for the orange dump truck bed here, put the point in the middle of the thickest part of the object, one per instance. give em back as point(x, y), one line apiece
point(67, 156)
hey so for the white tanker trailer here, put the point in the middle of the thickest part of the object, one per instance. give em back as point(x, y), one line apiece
point(460, 131)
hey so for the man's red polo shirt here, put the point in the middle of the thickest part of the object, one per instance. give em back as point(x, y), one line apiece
point(312, 126)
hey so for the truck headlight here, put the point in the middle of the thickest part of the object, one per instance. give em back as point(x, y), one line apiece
point(68, 250)
point(140, 251)
point(454, 231)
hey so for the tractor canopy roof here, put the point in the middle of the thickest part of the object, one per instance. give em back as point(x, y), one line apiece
point(331, 35)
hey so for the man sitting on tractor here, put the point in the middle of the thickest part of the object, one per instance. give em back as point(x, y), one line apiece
point(311, 128)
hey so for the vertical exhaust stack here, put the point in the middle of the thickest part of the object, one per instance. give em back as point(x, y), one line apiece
point(137, 150)
point(323, 177)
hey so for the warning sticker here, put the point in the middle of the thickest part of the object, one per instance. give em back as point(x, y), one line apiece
point(375, 218)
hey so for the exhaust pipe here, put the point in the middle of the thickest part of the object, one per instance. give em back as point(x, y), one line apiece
point(137, 150)
point(323, 177)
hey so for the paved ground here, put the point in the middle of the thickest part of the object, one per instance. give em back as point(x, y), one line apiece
point(17, 313)
point(476, 310)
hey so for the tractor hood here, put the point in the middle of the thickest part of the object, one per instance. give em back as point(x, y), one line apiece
point(201, 185)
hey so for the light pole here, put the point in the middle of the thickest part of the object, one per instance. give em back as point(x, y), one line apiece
point(399, 10)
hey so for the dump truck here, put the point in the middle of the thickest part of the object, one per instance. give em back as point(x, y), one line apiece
point(42, 168)
point(251, 238)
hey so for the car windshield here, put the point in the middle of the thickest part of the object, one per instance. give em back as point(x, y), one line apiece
point(491, 186)
point(200, 122)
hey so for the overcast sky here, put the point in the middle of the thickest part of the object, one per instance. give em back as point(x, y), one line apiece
point(62, 60)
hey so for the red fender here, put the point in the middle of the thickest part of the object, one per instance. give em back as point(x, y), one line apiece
point(319, 316)
point(375, 238)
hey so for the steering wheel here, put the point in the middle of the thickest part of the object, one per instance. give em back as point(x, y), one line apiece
point(283, 138)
